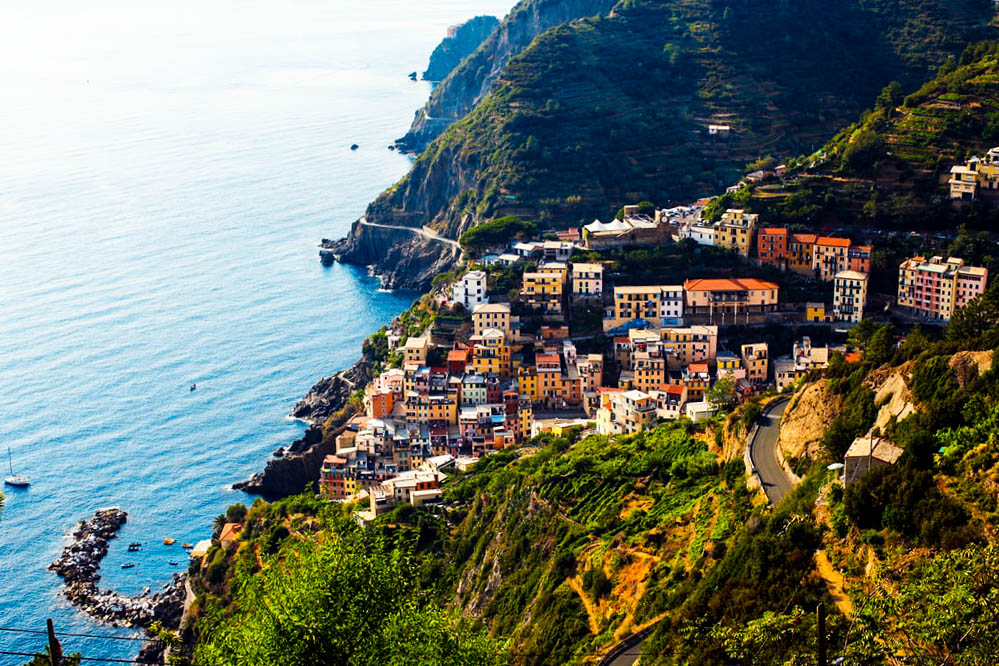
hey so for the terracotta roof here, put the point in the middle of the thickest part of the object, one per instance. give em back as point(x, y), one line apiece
point(773, 231)
point(698, 367)
point(833, 242)
point(724, 284)
point(674, 389)
point(804, 238)
point(546, 358)
point(230, 531)
point(865, 248)
point(457, 355)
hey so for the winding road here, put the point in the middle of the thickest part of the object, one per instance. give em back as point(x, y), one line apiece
point(763, 453)
point(429, 234)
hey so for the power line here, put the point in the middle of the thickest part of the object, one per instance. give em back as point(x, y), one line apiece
point(75, 635)
point(104, 659)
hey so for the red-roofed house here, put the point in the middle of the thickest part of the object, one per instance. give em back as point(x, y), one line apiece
point(830, 257)
point(720, 296)
point(458, 360)
point(670, 399)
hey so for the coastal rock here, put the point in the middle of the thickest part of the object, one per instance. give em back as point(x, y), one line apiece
point(79, 567)
point(402, 258)
point(297, 467)
point(460, 42)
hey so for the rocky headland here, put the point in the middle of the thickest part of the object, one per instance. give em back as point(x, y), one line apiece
point(79, 566)
point(402, 257)
point(469, 82)
point(461, 41)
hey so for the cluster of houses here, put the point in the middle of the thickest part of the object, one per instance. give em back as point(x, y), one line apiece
point(977, 178)
point(935, 288)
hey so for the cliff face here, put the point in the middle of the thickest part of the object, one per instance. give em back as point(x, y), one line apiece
point(403, 258)
point(457, 46)
point(470, 80)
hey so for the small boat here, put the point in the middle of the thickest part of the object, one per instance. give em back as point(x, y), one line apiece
point(194, 387)
point(172, 563)
point(169, 541)
point(128, 565)
point(16, 480)
point(354, 146)
point(133, 547)
point(187, 546)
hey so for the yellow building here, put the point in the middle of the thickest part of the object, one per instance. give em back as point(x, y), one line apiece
point(491, 354)
point(544, 290)
point(801, 253)
point(735, 230)
point(492, 315)
point(692, 344)
point(641, 302)
point(815, 312)
point(415, 351)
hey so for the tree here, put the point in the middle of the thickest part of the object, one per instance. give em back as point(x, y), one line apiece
point(722, 394)
point(881, 347)
point(345, 598)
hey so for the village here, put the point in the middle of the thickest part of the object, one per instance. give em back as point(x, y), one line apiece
point(655, 356)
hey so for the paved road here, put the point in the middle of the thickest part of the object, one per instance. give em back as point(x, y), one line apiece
point(763, 453)
point(416, 230)
point(626, 654)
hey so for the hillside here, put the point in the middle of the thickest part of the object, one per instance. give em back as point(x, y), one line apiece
point(890, 168)
point(461, 41)
point(600, 111)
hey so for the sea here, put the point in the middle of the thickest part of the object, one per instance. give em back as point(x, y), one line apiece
point(166, 171)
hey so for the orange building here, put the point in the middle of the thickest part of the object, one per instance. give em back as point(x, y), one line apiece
point(771, 247)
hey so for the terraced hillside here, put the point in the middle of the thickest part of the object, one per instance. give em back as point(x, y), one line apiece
point(890, 169)
point(600, 111)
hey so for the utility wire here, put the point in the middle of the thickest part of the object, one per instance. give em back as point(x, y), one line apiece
point(104, 659)
point(75, 635)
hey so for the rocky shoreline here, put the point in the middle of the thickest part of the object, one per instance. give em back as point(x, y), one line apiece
point(79, 566)
point(296, 468)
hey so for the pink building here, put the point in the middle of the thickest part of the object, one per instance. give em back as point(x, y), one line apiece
point(936, 288)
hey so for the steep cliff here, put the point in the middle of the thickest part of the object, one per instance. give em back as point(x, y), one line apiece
point(469, 81)
point(404, 258)
point(461, 41)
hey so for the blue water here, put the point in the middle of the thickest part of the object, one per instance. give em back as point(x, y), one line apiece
point(166, 172)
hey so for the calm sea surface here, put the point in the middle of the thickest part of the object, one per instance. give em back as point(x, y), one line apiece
point(166, 170)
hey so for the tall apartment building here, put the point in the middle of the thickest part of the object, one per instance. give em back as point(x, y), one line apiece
point(493, 315)
point(545, 288)
point(735, 230)
point(849, 296)
point(587, 283)
point(771, 247)
point(470, 289)
point(934, 288)
point(800, 253)
point(756, 360)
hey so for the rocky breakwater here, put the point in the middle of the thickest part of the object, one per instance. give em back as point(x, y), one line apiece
point(79, 566)
point(295, 468)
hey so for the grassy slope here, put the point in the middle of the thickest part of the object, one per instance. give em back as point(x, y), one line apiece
point(603, 111)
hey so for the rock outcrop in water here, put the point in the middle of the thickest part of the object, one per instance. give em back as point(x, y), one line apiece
point(460, 42)
point(79, 566)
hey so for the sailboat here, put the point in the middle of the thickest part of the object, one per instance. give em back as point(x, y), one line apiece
point(17, 480)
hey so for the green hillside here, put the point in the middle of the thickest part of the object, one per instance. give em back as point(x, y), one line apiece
point(601, 111)
point(890, 168)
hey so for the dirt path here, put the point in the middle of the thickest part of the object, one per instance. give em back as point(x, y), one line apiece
point(592, 611)
point(834, 582)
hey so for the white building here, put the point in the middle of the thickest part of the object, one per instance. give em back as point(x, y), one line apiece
point(671, 305)
point(849, 296)
point(470, 290)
